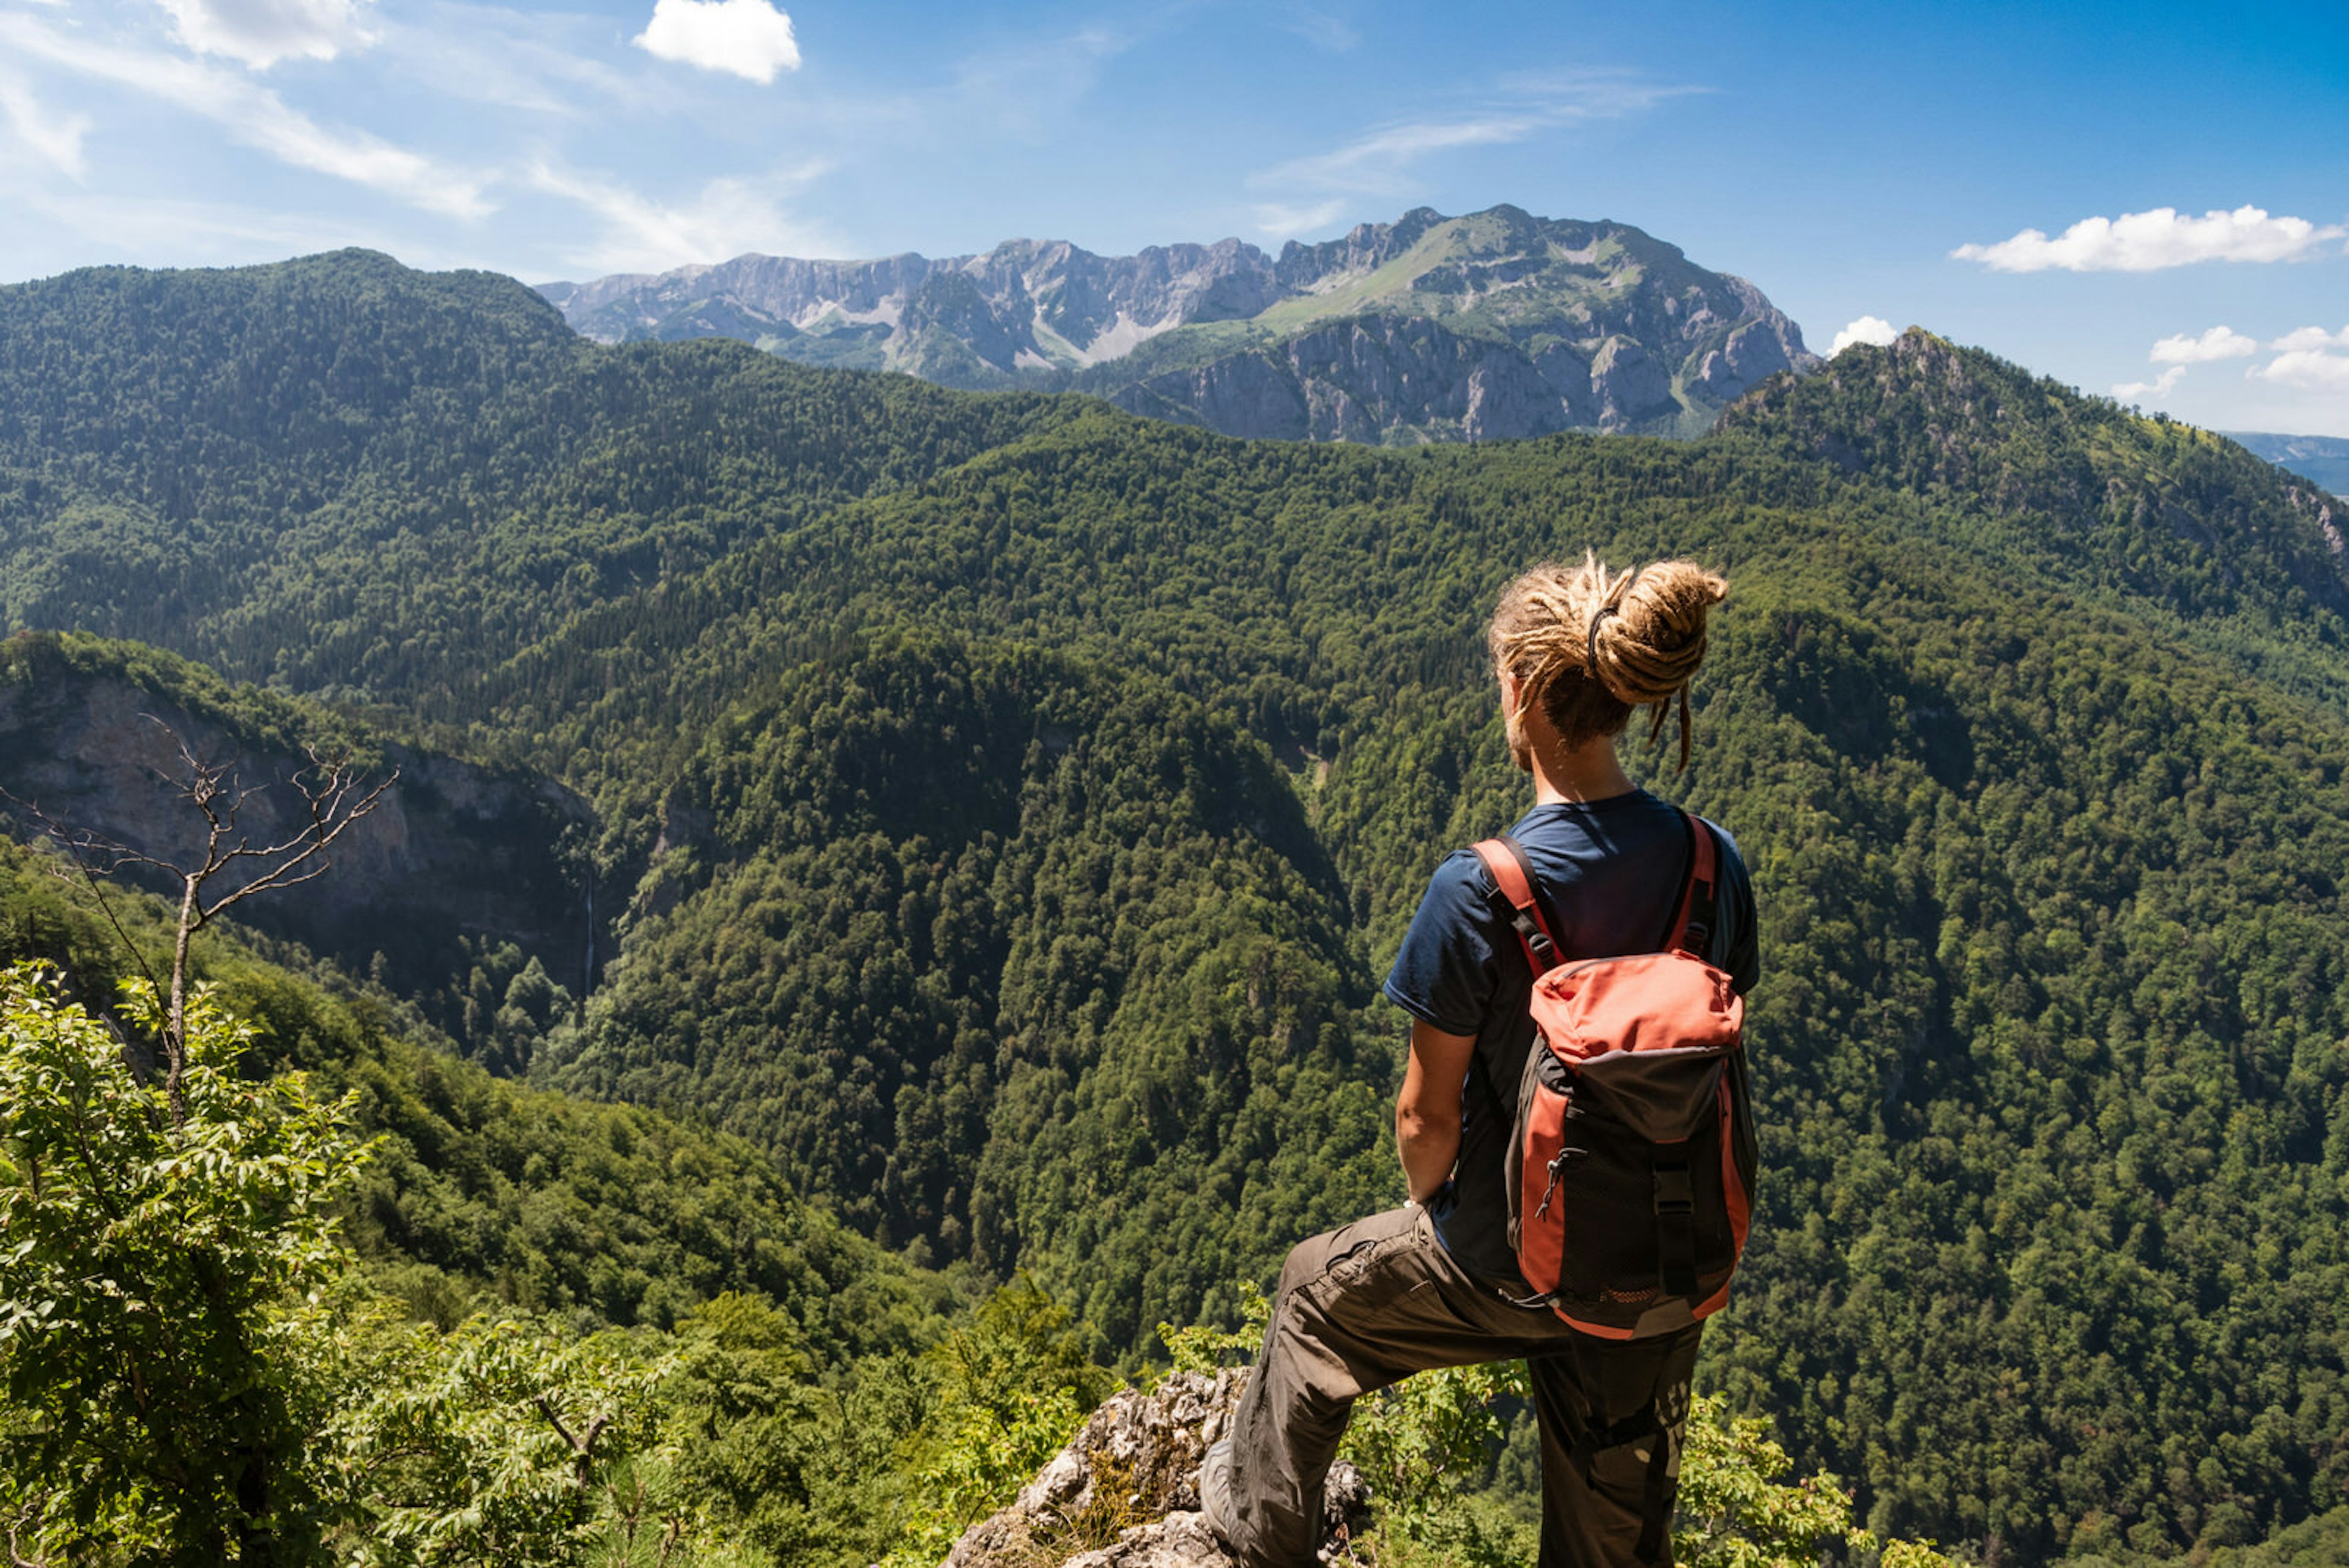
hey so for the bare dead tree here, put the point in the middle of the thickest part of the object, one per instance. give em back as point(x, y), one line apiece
point(228, 868)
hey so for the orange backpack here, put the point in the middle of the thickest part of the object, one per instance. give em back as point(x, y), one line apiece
point(1631, 1176)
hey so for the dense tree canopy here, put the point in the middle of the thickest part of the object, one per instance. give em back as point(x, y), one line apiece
point(1018, 803)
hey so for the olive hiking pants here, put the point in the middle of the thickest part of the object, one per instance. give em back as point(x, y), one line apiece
point(1370, 1304)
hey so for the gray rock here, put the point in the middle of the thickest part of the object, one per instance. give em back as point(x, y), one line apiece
point(454, 849)
point(1498, 330)
point(1631, 386)
point(1124, 1493)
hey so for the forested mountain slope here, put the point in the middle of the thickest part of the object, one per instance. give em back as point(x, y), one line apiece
point(340, 475)
point(1023, 830)
point(484, 1190)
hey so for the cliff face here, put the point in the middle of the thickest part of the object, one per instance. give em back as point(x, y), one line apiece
point(452, 851)
point(1428, 328)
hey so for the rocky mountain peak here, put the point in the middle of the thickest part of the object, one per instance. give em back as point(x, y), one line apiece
point(1429, 328)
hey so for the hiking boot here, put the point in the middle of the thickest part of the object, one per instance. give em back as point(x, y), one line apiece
point(1216, 1490)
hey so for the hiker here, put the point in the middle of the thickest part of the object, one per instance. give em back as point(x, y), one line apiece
point(1437, 1283)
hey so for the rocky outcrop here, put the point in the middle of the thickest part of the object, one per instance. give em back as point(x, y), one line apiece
point(1495, 324)
point(454, 851)
point(1124, 1493)
point(1380, 377)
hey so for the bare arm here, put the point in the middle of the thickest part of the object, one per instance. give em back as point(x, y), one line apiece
point(1427, 1111)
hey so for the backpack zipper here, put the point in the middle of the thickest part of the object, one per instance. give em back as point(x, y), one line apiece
point(1557, 1168)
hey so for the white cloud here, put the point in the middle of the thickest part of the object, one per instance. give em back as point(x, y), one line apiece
point(2160, 386)
point(263, 32)
point(2147, 242)
point(1280, 221)
point(2219, 343)
point(1330, 35)
point(730, 217)
point(2308, 337)
point(2310, 370)
point(259, 119)
point(55, 138)
point(1383, 161)
point(749, 38)
point(1870, 329)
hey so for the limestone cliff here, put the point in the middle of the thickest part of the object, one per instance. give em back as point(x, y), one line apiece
point(90, 733)
point(1493, 325)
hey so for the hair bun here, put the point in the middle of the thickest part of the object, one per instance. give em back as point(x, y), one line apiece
point(1588, 646)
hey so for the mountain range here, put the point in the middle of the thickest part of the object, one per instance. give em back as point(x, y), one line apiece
point(998, 812)
point(2324, 459)
point(1497, 324)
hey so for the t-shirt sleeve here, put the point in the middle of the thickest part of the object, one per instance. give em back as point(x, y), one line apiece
point(1446, 971)
point(1744, 961)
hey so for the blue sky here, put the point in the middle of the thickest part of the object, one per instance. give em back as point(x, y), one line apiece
point(2186, 167)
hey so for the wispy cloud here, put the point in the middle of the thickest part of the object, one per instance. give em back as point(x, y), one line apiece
point(1025, 91)
point(727, 218)
point(2160, 386)
point(538, 63)
point(263, 32)
point(1380, 164)
point(748, 39)
point(1870, 329)
point(167, 233)
point(2164, 237)
point(1330, 34)
point(55, 138)
point(1279, 220)
point(2219, 343)
point(1385, 161)
point(257, 117)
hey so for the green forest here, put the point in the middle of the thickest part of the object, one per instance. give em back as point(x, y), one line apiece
point(1004, 809)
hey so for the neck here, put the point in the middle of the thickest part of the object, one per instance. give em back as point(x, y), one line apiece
point(1588, 773)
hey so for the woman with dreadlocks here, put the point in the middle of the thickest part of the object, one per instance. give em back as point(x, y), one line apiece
point(1437, 1282)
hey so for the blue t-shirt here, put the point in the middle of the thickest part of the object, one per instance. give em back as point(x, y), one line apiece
point(1609, 874)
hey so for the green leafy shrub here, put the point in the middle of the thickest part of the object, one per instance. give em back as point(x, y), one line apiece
point(196, 1371)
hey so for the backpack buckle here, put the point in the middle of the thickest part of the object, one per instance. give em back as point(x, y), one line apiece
point(1675, 1192)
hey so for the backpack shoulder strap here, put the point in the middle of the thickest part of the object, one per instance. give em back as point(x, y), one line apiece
point(1513, 882)
point(1692, 929)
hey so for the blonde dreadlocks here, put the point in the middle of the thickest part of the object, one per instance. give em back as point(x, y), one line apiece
point(1587, 646)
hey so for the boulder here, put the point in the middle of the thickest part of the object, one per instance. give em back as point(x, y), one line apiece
point(1125, 1492)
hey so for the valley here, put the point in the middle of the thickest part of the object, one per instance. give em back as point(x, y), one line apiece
point(867, 843)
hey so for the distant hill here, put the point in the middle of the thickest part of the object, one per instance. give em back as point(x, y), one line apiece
point(2324, 459)
point(1429, 328)
point(1004, 807)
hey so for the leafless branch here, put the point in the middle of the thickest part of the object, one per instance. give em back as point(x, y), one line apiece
point(583, 1446)
point(333, 797)
point(79, 846)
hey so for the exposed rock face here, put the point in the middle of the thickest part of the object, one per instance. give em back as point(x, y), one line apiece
point(1124, 1493)
point(452, 851)
point(1495, 324)
point(1631, 387)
